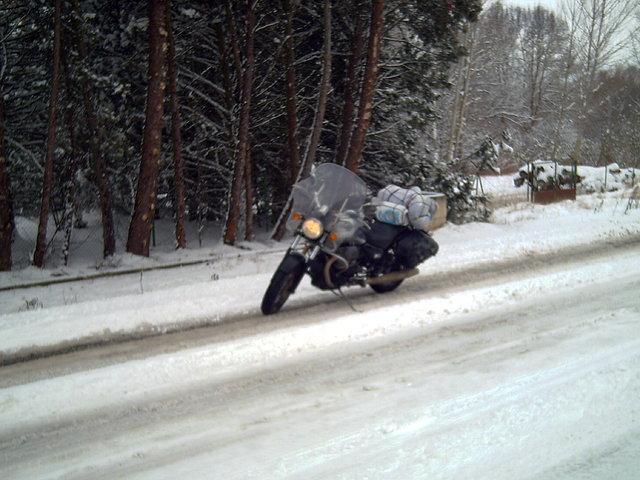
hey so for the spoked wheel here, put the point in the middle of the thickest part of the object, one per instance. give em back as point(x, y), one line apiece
point(283, 283)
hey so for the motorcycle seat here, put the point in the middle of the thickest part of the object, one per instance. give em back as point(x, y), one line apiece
point(382, 235)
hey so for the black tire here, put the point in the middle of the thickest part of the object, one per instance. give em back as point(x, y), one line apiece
point(283, 283)
point(385, 287)
point(390, 265)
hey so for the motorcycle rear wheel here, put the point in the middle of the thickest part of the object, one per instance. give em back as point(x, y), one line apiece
point(389, 286)
point(385, 287)
point(283, 283)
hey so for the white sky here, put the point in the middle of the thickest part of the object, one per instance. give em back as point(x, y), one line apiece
point(556, 5)
point(550, 4)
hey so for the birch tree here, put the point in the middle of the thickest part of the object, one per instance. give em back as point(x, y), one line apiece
point(540, 45)
point(600, 29)
point(461, 94)
point(486, 93)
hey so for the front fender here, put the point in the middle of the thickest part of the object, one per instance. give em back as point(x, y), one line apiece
point(292, 262)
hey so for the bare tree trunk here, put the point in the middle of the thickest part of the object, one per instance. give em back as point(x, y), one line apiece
point(368, 88)
point(291, 95)
point(235, 47)
point(459, 111)
point(600, 24)
point(235, 95)
point(178, 163)
point(70, 166)
point(351, 82)
point(233, 215)
point(230, 93)
point(41, 241)
point(200, 206)
point(98, 160)
point(248, 197)
point(6, 206)
point(318, 120)
point(323, 94)
point(462, 111)
point(145, 203)
point(69, 174)
point(455, 109)
point(569, 65)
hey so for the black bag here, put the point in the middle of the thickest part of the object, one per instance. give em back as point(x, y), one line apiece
point(414, 248)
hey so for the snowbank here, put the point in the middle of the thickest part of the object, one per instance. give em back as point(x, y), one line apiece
point(546, 175)
point(226, 282)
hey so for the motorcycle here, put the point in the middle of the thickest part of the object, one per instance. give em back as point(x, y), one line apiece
point(337, 245)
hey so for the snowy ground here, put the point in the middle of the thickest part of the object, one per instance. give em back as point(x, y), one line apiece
point(230, 282)
point(502, 359)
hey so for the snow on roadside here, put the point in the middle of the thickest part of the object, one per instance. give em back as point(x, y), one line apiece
point(143, 381)
point(233, 284)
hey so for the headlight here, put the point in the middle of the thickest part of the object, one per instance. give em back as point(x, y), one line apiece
point(312, 229)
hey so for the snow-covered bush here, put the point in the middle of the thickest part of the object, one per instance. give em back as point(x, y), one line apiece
point(607, 179)
point(545, 175)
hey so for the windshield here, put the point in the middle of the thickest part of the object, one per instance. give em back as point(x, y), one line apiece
point(333, 195)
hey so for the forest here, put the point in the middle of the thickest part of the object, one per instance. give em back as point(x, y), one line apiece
point(209, 111)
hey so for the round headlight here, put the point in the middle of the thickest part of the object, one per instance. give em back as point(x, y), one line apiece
point(312, 229)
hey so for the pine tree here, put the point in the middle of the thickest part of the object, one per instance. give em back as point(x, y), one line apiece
point(347, 119)
point(47, 179)
point(146, 192)
point(242, 149)
point(6, 206)
point(365, 108)
point(291, 93)
point(25, 33)
point(96, 147)
point(178, 162)
point(304, 169)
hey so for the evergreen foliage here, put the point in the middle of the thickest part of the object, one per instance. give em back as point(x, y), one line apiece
point(420, 41)
point(517, 62)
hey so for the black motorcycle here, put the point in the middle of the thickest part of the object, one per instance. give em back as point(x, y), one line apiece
point(338, 246)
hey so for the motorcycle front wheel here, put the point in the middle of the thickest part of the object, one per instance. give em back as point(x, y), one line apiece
point(284, 282)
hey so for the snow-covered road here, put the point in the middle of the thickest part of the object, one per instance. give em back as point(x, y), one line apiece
point(524, 376)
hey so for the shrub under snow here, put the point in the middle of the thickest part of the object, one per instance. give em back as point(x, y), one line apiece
point(546, 175)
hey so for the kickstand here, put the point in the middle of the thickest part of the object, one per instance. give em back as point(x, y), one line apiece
point(338, 293)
